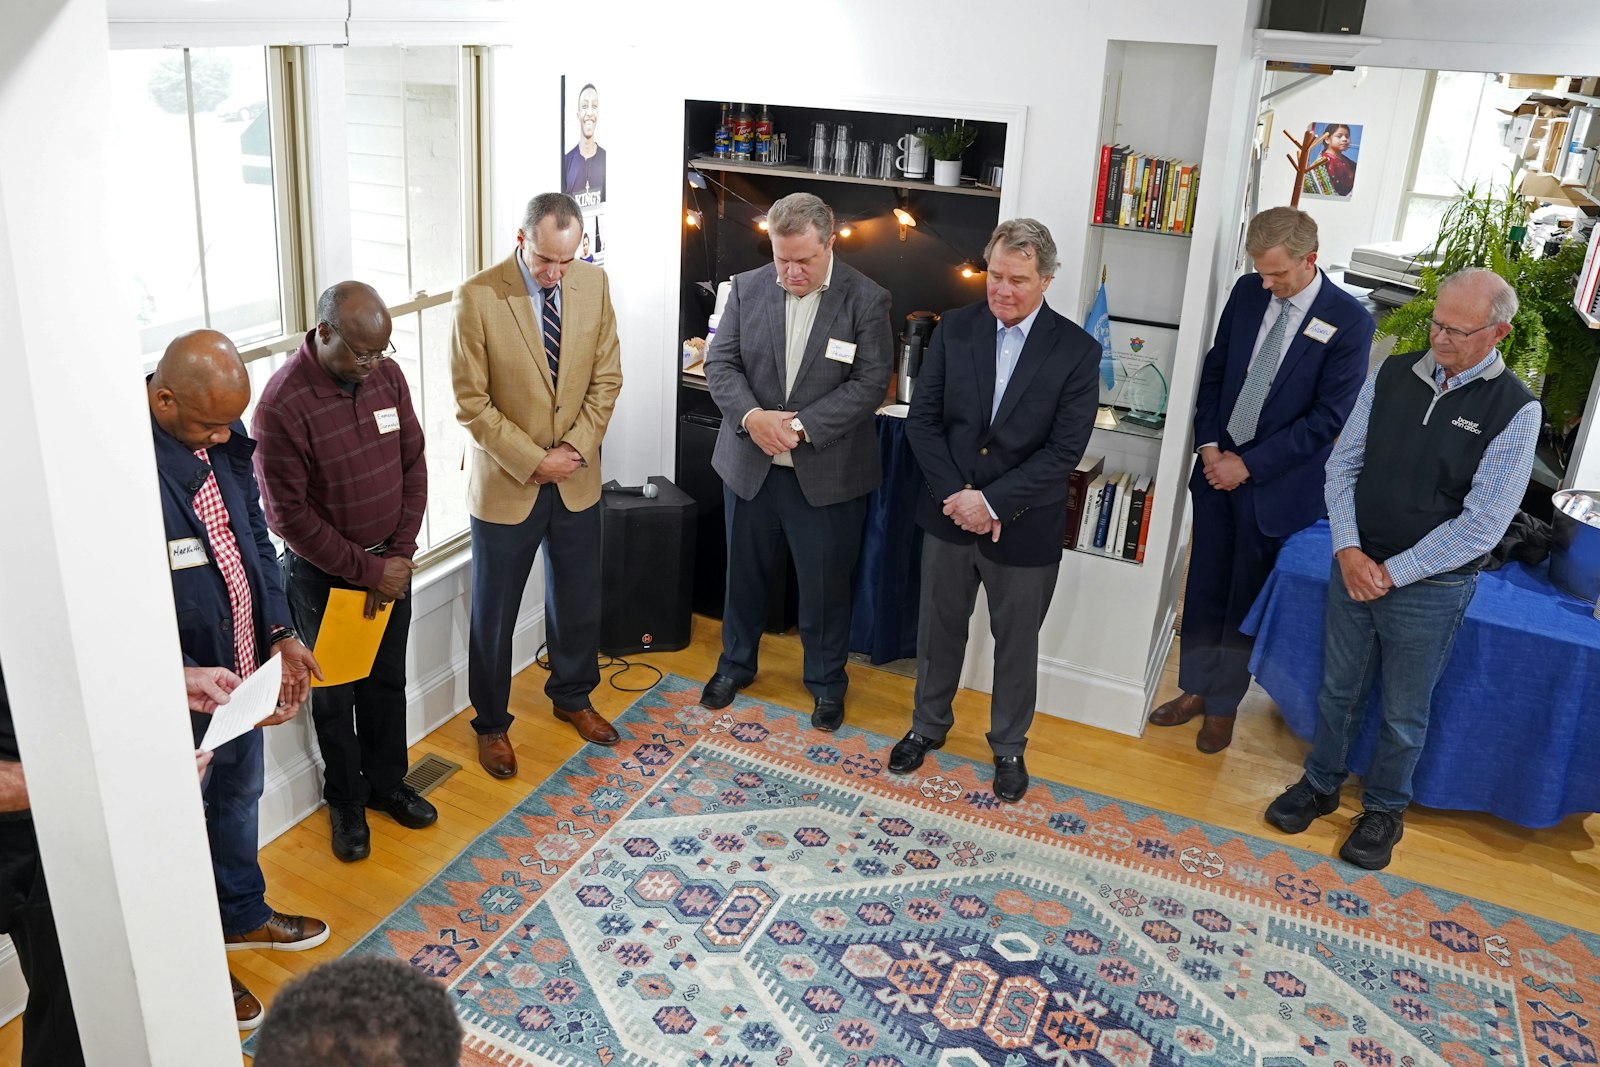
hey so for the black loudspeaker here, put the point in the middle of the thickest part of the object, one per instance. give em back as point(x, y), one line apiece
point(646, 569)
point(1315, 16)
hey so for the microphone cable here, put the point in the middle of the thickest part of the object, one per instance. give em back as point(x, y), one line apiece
point(541, 659)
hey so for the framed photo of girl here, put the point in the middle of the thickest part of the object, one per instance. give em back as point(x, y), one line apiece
point(1332, 175)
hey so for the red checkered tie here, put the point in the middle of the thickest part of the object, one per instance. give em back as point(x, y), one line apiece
point(208, 504)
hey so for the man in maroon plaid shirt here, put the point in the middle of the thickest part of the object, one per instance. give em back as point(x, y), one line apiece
point(344, 482)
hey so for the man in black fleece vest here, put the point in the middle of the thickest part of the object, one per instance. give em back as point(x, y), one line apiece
point(1431, 466)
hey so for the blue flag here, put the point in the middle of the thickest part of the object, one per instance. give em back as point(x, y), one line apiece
point(1098, 323)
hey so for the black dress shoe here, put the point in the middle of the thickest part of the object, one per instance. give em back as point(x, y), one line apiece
point(828, 714)
point(1010, 778)
point(405, 807)
point(1299, 806)
point(909, 752)
point(718, 692)
point(351, 839)
point(1373, 836)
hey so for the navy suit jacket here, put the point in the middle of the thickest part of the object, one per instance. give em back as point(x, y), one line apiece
point(1311, 396)
point(199, 594)
point(1022, 458)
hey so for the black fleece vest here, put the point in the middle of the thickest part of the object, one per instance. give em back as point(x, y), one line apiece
point(1423, 449)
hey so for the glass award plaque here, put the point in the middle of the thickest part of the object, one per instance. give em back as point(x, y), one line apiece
point(1146, 397)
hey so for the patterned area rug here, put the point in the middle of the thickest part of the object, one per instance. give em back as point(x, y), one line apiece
point(733, 889)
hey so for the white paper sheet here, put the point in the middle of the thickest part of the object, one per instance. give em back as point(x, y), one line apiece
point(254, 700)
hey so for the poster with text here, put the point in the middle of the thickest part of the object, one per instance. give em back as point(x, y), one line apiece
point(1333, 159)
point(583, 162)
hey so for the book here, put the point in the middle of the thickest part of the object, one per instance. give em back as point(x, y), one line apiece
point(1108, 507)
point(1077, 489)
point(1119, 517)
point(1180, 221)
point(1113, 201)
point(1130, 533)
point(1091, 513)
point(1100, 183)
point(1144, 522)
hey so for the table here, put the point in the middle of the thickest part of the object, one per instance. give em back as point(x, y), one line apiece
point(1515, 729)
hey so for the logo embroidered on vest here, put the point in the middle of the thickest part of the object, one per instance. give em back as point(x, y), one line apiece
point(1466, 424)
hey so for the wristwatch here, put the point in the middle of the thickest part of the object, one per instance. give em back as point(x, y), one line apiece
point(794, 424)
point(283, 633)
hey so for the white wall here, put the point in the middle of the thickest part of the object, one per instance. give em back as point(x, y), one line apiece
point(1384, 102)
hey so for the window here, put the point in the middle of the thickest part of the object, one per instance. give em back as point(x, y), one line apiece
point(194, 211)
point(412, 220)
point(1458, 145)
point(214, 221)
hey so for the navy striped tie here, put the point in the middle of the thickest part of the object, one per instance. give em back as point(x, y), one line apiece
point(552, 331)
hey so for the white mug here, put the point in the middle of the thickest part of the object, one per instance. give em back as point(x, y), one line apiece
point(913, 160)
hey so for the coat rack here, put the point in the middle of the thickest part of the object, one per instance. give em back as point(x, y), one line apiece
point(1301, 164)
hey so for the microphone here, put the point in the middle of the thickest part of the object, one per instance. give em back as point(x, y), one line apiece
point(647, 490)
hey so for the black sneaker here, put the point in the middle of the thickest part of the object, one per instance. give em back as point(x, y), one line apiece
point(351, 839)
point(1373, 835)
point(1300, 806)
point(405, 806)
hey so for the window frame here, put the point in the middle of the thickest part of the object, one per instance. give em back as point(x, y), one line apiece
point(297, 182)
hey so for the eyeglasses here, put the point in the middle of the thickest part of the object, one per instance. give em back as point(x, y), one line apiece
point(364, 359)
point(1453, 333)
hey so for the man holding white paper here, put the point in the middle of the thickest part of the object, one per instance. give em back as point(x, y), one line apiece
point(344, 482)
point(231, 613)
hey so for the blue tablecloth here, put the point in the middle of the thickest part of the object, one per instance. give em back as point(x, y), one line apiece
point(888, 576)
point(1516, 719)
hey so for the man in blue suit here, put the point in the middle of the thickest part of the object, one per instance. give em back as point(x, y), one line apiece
point(1289, 358)
point(1003, 408)
point(231, 612)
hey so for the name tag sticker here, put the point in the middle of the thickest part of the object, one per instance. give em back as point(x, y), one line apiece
point(1321, 331)
point(842, 351)
point(388, 420)
point(186, 552)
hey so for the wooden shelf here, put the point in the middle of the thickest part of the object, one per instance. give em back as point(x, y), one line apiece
point(801, 170)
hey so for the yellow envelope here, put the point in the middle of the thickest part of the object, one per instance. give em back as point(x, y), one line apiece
point(347, 641)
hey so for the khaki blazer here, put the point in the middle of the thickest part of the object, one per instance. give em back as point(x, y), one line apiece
point(504, 394)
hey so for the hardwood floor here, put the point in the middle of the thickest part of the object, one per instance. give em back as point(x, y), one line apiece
point(1553, 873)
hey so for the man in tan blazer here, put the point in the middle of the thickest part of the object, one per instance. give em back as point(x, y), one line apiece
point(536, 367)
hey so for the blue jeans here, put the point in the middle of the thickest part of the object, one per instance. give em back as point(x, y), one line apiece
point(232, 796)
point(1406, 634)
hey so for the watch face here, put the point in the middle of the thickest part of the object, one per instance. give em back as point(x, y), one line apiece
point(794, 424)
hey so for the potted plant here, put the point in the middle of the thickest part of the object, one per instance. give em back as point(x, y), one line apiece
point(946, 146)
point(1548, 347)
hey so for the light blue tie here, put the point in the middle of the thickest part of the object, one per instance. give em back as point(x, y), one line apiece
point(1258, 382)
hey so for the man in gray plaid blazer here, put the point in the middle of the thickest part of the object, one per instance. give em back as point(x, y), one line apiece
point(800, 361)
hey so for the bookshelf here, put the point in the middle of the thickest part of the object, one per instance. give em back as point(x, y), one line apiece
point(1144, 117)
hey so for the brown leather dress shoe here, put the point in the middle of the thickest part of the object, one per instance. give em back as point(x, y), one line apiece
point(496, 755)
point(281, 933)
point(591, 726)
point(246, 1008)
point(1178, 711)
point(1216, 734)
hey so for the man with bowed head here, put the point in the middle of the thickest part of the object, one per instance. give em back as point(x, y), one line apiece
point(1290, 351)
point(1425, 480)
point(231, 612)
point(1003, 408)
point(798, 366)
point(344, 482)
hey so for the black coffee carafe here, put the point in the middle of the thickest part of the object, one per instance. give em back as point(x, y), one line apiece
point(913, 342)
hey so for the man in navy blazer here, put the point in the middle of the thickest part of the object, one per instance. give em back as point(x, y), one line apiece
point(1289, 358)
point(1003, 408)
point(231, 612)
